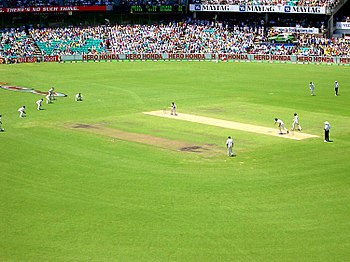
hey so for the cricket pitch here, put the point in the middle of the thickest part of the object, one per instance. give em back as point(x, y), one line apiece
point(232, 125)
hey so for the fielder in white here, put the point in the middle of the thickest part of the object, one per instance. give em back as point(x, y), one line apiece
point(38, 103)
point(296, 122)
point(51, 93)
point(48, 99)
point(79, 97)
point(1, 129)
point(22, 111)
point(281, 126)
point(173, 109)
point(229, 145)
point(312, 88)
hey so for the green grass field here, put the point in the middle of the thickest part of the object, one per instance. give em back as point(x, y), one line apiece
point(71, 195)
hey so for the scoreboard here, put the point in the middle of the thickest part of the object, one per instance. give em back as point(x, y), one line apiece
point(171, 9)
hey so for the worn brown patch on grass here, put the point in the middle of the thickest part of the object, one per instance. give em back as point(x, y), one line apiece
point(208, 149)
point(82, 126)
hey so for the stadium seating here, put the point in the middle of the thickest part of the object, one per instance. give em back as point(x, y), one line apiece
point(195, 37)
point(57, 47)
point(15, 43)
point(67, 41)
point(179, 38)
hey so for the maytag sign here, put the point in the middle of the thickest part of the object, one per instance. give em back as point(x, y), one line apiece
point(259, 9)
point(343, 25)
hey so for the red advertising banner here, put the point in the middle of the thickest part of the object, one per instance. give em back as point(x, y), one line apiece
point(264, 57)
point(344, 60)
point(101, 57)
point(340, 60)
point(45, 9)
point(179, 56)
point(225, 57)
point(27, 59)
point(316, 59)
point(31, 59)
point(51, 58)
point(169, 56)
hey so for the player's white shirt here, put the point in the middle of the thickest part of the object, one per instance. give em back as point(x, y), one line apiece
point(336, 85)
point(327, 127)
point(312, 86)
point(173, 106)
point(229, 142)
point(296, 120)
point(39, 102)
point(279, 121)
point(21, 109)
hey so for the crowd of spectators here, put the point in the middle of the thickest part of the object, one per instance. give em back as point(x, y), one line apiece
point(31, 3)
point(15, 43)
point(182, 37)
point(69, 40)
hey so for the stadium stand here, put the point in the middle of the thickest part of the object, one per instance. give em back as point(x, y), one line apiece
point(15, 43)
point(68, 41)
point(238, 33)
point(195, 37)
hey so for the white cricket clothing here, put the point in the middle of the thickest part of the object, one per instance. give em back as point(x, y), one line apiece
point(281, 126)
point(279, 122)
point(296, 120)
point(312, 88)
point(229, 144)
point(327, 126)
point(51, 94)
point(296, 123)
point(21, 111)
point(48, 98)
point(38, 103)
point(173, 108)
point(78, 97)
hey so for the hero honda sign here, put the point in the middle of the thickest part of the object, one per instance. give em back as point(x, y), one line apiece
point(259, 9)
